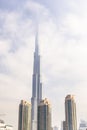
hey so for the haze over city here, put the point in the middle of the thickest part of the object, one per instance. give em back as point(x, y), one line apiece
point(62, 37)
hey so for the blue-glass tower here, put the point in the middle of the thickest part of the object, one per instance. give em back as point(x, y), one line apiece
point(36, 86)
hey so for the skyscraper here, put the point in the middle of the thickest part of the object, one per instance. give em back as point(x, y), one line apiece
point(64, 125)
point(70, 113)
point(36, 86)
point(44, 115)
point(24, 116)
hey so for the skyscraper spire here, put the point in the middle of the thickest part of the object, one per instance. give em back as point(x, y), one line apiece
point(36, 86)
point(36, 43)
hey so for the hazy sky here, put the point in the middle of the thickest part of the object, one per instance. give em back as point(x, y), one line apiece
point(63, 50)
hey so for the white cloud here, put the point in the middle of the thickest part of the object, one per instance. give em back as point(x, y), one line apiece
point(63, 57)
point(36, 8)
point(4, 46)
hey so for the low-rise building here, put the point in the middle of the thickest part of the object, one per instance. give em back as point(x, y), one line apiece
point(3, 126)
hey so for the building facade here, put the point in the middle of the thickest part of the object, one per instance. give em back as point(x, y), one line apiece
point(3, 126)
point(70, 113)
point(44, 115)
point(83, 125)
point(24, 116)
point(36, 86)
point(64, 125)
point(55, 128)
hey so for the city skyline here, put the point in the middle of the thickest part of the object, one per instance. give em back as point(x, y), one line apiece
point(62, 40)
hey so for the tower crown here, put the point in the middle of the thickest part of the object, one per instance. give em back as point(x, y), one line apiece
point(36, 44)
point(44, 102)
point(69, 97)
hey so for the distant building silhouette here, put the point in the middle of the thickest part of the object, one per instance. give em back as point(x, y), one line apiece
point(64, 125)
point(70, 113)
point(83, 125)
point(55, 128)
point(24, 116)
point(44, 115)
point(3, 126)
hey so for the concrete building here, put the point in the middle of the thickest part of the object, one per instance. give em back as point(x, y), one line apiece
point(24, 116)
point(3, 126)
point(83, 125)
point(44, 115)
point(70, 113)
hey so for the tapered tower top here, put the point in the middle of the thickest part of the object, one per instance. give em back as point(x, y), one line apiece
point(36, 39)
point(36, 85)
point(36, 42)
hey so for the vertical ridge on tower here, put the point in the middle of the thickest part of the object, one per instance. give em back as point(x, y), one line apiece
point(36, 85)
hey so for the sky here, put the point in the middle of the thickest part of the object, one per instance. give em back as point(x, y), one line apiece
point(63, 49)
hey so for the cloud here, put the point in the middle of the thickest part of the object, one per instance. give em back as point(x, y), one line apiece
point(4, 46)
point(62, 39)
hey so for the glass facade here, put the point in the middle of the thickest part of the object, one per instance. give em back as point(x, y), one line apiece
point(24, 116)
point(44, 117)
point(70, 113)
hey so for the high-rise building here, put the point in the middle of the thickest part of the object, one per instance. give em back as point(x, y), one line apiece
point(64, 125)
point(36, 86)
point(44, 115)
point(24, 116)
point(70, 113)
point(83, 125)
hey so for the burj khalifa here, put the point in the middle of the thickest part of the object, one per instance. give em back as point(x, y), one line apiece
point(36, 86)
